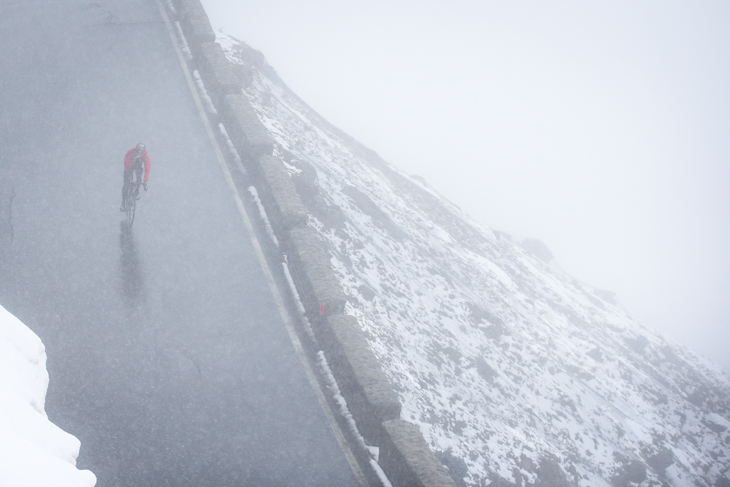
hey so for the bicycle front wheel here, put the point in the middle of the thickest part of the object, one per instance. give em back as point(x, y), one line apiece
point(131, 207)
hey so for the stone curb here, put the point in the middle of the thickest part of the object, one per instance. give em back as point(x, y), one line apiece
point(310, 269)
point(357, 370)
point(215, 69)
point(408, 460)
point(282, 203)
point(195, 23)
point(404, 454)
point(245, 129)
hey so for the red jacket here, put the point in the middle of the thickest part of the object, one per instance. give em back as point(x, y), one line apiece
point(129, 161)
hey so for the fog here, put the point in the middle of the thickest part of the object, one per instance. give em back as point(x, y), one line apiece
point(600, 129)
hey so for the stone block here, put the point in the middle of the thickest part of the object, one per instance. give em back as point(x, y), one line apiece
point(407, 460)
point(312, 273)
point(245, 129)
point(280, 196)
point(195, 23)
point(217, 73)
point(368, 392)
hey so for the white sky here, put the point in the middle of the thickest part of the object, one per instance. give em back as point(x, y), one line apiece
point(601, 128)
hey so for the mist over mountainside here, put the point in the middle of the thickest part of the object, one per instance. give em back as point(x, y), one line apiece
point(516, 373)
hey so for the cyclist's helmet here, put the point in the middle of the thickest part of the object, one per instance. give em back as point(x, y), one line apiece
point(140, 147)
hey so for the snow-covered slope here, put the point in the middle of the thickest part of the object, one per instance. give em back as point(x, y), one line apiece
point(33, 451)
point(516, 373)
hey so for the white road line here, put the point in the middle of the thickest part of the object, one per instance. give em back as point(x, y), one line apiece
point(262, 260)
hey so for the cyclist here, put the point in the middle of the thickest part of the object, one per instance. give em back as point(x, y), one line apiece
point(134, 160)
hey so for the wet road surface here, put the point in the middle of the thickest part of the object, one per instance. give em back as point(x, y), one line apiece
point(167, 355)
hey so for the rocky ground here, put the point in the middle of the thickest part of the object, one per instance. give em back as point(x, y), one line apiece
point(516, 373)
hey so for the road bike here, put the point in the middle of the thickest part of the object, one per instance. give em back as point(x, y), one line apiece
point(131, 195)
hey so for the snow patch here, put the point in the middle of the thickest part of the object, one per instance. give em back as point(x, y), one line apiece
point(264, 216)
point(232, 149)
point(33, 451)
point(298, 302)
point(183, 40)
point(204, 94)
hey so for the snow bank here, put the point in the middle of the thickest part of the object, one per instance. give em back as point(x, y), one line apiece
point(33, 451)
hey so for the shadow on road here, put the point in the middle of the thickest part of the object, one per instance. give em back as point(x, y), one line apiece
point(132, 276)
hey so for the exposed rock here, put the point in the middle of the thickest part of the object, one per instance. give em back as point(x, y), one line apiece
point(629, 471)
point(596, 355)
point(494, 331)
point(661, 460)
point(456, 466)
point(478, 315)
point(366, 292)
point(637, 344)
point(549, 474)
point(485, 370)
point(538, 249)
point(497, 481)
point(367, 206)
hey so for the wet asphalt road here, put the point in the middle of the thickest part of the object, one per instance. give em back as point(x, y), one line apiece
point(167, 356)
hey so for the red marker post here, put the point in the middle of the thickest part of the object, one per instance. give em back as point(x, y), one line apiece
point(321, 308)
